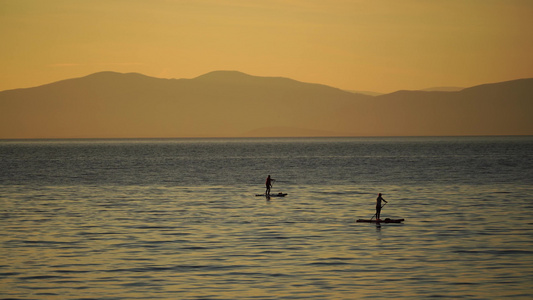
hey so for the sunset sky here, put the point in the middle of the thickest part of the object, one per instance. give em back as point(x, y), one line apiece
point(360, 45)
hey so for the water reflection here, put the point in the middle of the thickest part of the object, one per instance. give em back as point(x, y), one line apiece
point(121, 226)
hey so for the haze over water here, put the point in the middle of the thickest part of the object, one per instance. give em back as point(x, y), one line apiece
point(179, 219)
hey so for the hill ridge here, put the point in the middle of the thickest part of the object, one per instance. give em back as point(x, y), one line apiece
point(231, 103)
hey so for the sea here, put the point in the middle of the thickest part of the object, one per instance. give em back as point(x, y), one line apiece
point(181, 219)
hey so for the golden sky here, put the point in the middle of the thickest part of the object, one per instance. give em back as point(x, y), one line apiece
point(378, 45)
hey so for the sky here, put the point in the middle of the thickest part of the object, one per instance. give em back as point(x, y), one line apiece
point(378, 45)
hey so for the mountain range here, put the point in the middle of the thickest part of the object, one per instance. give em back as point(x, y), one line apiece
point(234, 104)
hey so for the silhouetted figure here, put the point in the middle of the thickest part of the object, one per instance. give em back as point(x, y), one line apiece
point(268, 184)
point(378, 205)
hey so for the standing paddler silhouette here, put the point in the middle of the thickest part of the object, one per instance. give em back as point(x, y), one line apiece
point(378, 206)
point(268, 184)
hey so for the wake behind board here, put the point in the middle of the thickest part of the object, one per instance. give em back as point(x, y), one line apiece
point(272, 195)
point(387, 220)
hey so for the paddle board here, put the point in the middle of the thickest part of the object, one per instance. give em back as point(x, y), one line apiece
point(387, 220)
point(273, 195)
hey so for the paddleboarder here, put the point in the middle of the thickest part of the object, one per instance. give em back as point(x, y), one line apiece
point(268, 184)
point(378, 205)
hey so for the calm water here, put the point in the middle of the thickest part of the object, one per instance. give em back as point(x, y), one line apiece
point(179, 219)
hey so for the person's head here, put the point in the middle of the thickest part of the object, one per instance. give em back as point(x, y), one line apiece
point(379, 194)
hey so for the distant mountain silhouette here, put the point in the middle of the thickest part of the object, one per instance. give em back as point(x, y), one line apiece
point(231, 103)
point(492, 109)
point(369, 93)
point(433, 89)
point(443, 89)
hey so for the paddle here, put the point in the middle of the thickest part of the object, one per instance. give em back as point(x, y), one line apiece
point(376, 212)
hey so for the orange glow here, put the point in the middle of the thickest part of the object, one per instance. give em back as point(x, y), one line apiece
point(377, 46)
point(355, 45)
